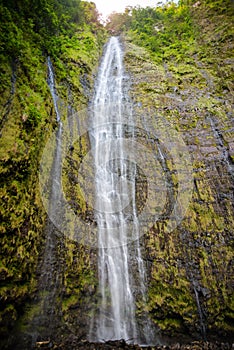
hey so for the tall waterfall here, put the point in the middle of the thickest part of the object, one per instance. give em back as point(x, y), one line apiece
point(120, 265)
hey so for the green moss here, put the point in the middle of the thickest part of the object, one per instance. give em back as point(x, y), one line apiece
point(29, 118)
point(188, 83)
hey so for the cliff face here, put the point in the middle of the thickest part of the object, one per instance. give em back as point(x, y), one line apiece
point(190, 90)
point(190, 283)
point(28, 118)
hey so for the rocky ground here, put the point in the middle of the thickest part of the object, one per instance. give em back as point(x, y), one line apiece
point(121, 344)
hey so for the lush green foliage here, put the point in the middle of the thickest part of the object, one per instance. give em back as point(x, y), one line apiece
point(196, 51)
point(69, 32)
point(164, 31)
point(182, 69)
point(168, 32)
point(117, 22)
point(41, 21)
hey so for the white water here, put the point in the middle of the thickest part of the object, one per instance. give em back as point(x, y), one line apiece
point(51, 83)
point(44, 309)
point(115, 188)
point(50, 270)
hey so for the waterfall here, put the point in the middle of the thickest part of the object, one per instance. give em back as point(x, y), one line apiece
point(51, 83)
point(44, 320)
point(120, 265)
point(200, 311)
point(57, 158)
point(221, 145)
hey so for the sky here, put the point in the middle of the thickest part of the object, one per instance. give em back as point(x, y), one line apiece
point(105, 7)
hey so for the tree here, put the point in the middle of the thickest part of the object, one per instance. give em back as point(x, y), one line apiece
point(117, 22)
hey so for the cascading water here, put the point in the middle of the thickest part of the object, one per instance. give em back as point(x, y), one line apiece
point(57, 163)
point(44, 320)
point(120, 265)
point(50, 279)
point(52, 87)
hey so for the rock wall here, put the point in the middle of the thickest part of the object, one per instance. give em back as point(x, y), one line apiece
point(27, 120)
point(190, 267)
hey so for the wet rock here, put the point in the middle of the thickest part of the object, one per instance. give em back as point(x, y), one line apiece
point(201, 115)
point(122, 344)
point(44, 344)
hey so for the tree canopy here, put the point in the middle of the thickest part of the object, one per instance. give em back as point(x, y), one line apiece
point(41, 20)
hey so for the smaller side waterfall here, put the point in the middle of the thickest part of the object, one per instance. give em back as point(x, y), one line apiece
point(46, 305)
point(220, 143)
point(51, 83)
point(57, 163)
point(200, 311)
point(50, 271)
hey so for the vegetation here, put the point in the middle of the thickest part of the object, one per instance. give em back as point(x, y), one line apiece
point(180, 61)
point(69, 32)
point(179, 57)
point(169, 32)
